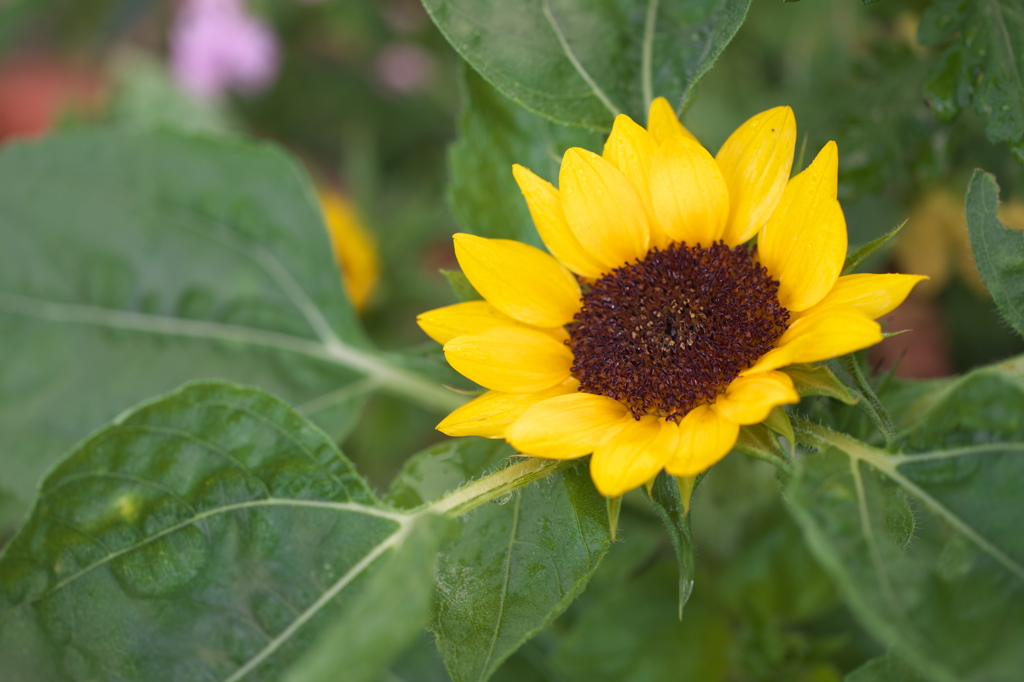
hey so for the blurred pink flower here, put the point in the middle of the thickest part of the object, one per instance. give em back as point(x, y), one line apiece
point(217, 45)
point(404, 68)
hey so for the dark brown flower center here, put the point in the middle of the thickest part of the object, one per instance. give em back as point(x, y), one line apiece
point(670, 332)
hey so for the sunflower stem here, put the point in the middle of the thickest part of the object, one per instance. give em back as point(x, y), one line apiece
point(871, 405)
point(812, 434)
point(497, 485)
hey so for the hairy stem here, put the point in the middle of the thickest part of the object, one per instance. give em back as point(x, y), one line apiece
point(873, 407)
point(498, 484)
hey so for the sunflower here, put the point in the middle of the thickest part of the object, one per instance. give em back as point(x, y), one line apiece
point(677, 288)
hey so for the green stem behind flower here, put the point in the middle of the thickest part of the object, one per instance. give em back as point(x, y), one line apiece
point(871, 405)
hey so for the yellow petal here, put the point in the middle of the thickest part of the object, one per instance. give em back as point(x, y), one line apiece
point(545, 204)
point(749, 399)
point(633, 456)
point(567, 426)
point(873, 295)
point(691, 200)
point(603, 209)
point(354, 248)
point(510, 359)
point(663, 122)
point(756, 161)
point(831, 332)
point(630, 148)
point(490, 414)
point(804, 243)
point(471, 317)
point(519, 280)
point(705, 437)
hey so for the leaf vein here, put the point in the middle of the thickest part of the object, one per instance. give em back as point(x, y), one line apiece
point(392, 540)
point(571, 54)
point(265, 260)
point(504, 585)
point(332, 398)
point(396, 379)
point(400, 519)
point(867, 530)
point(933, 455)
point(647, 52)
point(950, 517)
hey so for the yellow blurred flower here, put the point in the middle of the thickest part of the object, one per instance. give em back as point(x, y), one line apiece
point(354, 248)
point(935, 241)
point(656, 329)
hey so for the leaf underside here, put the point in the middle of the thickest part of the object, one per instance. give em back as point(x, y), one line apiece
point(135, 262)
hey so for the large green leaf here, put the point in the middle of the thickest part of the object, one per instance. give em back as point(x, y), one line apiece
point(981, 64)
point(998, 250)
point(513, 564)
point(211, 534)
point(633, 634)
point(581, 62)
point(926, 544)
point(494, 133)
point(388, 614)
point(134, 262)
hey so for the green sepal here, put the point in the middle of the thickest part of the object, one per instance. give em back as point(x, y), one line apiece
point(862, 253)
point(614, 507)
point(778, 421)
point(667, 496)
point(819, 380)
point(759, 442)
point(459, 283)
